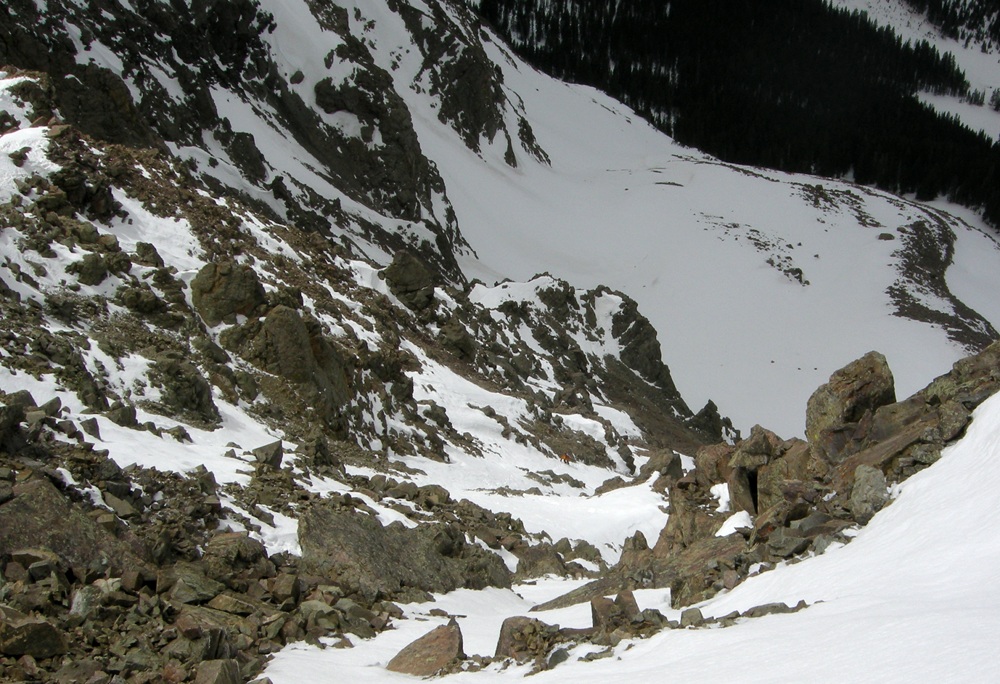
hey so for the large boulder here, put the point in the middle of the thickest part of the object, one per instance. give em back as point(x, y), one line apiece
point(901, 438)
point(608, 615)
point(288, 346)
point(221, 291)
point(410, 280)
point(356, 552)
point(225, 671)
point(23, 635)
point(431, 653)
point(538, 561)
point(525, 639)
point(39, 516)
point(184, 389)
point(306, 368)
point(853, 393)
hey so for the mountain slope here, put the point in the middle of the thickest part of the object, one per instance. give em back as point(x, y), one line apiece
point(801, 86)
point(710, 252)
point(355, 123)
point(266, 382)
point(876, 605)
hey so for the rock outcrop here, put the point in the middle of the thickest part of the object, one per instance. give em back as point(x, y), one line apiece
point(802, 494)
point(355, 552)
point(852, 395)
point(222, 291)
point(411, 280)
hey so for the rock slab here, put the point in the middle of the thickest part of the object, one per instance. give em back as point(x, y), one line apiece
point(431, 653)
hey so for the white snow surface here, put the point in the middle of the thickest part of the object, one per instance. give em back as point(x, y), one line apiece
point(689, 238)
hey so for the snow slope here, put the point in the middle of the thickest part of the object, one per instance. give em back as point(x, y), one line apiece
point(912, 598)
point(715, 255)
point(718, 257)
point(690, 239)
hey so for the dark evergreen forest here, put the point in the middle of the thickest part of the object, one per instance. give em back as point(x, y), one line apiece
point(788, 84)
point(963, 19)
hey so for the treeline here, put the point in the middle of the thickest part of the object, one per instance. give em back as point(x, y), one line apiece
point(963, 19)
point(789, 84)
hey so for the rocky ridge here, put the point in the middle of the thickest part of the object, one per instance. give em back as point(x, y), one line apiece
point(142, 310)
point(799, 496)
point(227, 95)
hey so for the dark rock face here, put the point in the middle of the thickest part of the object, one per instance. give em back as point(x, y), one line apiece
point(456, 338)
point(431, 653)
point(225, 46)
point(608, 615)
point(357, 553)
point(22, 635)
point(467, 83)
point(221, 291)
point(902, 438)
point(100, 104)
point(411, 280)
point(38, 515)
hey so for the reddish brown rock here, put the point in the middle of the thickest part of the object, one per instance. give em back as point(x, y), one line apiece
point(431, 653)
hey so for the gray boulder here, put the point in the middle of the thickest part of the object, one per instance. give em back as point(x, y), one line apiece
point(869, 493)
point(692, 617)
